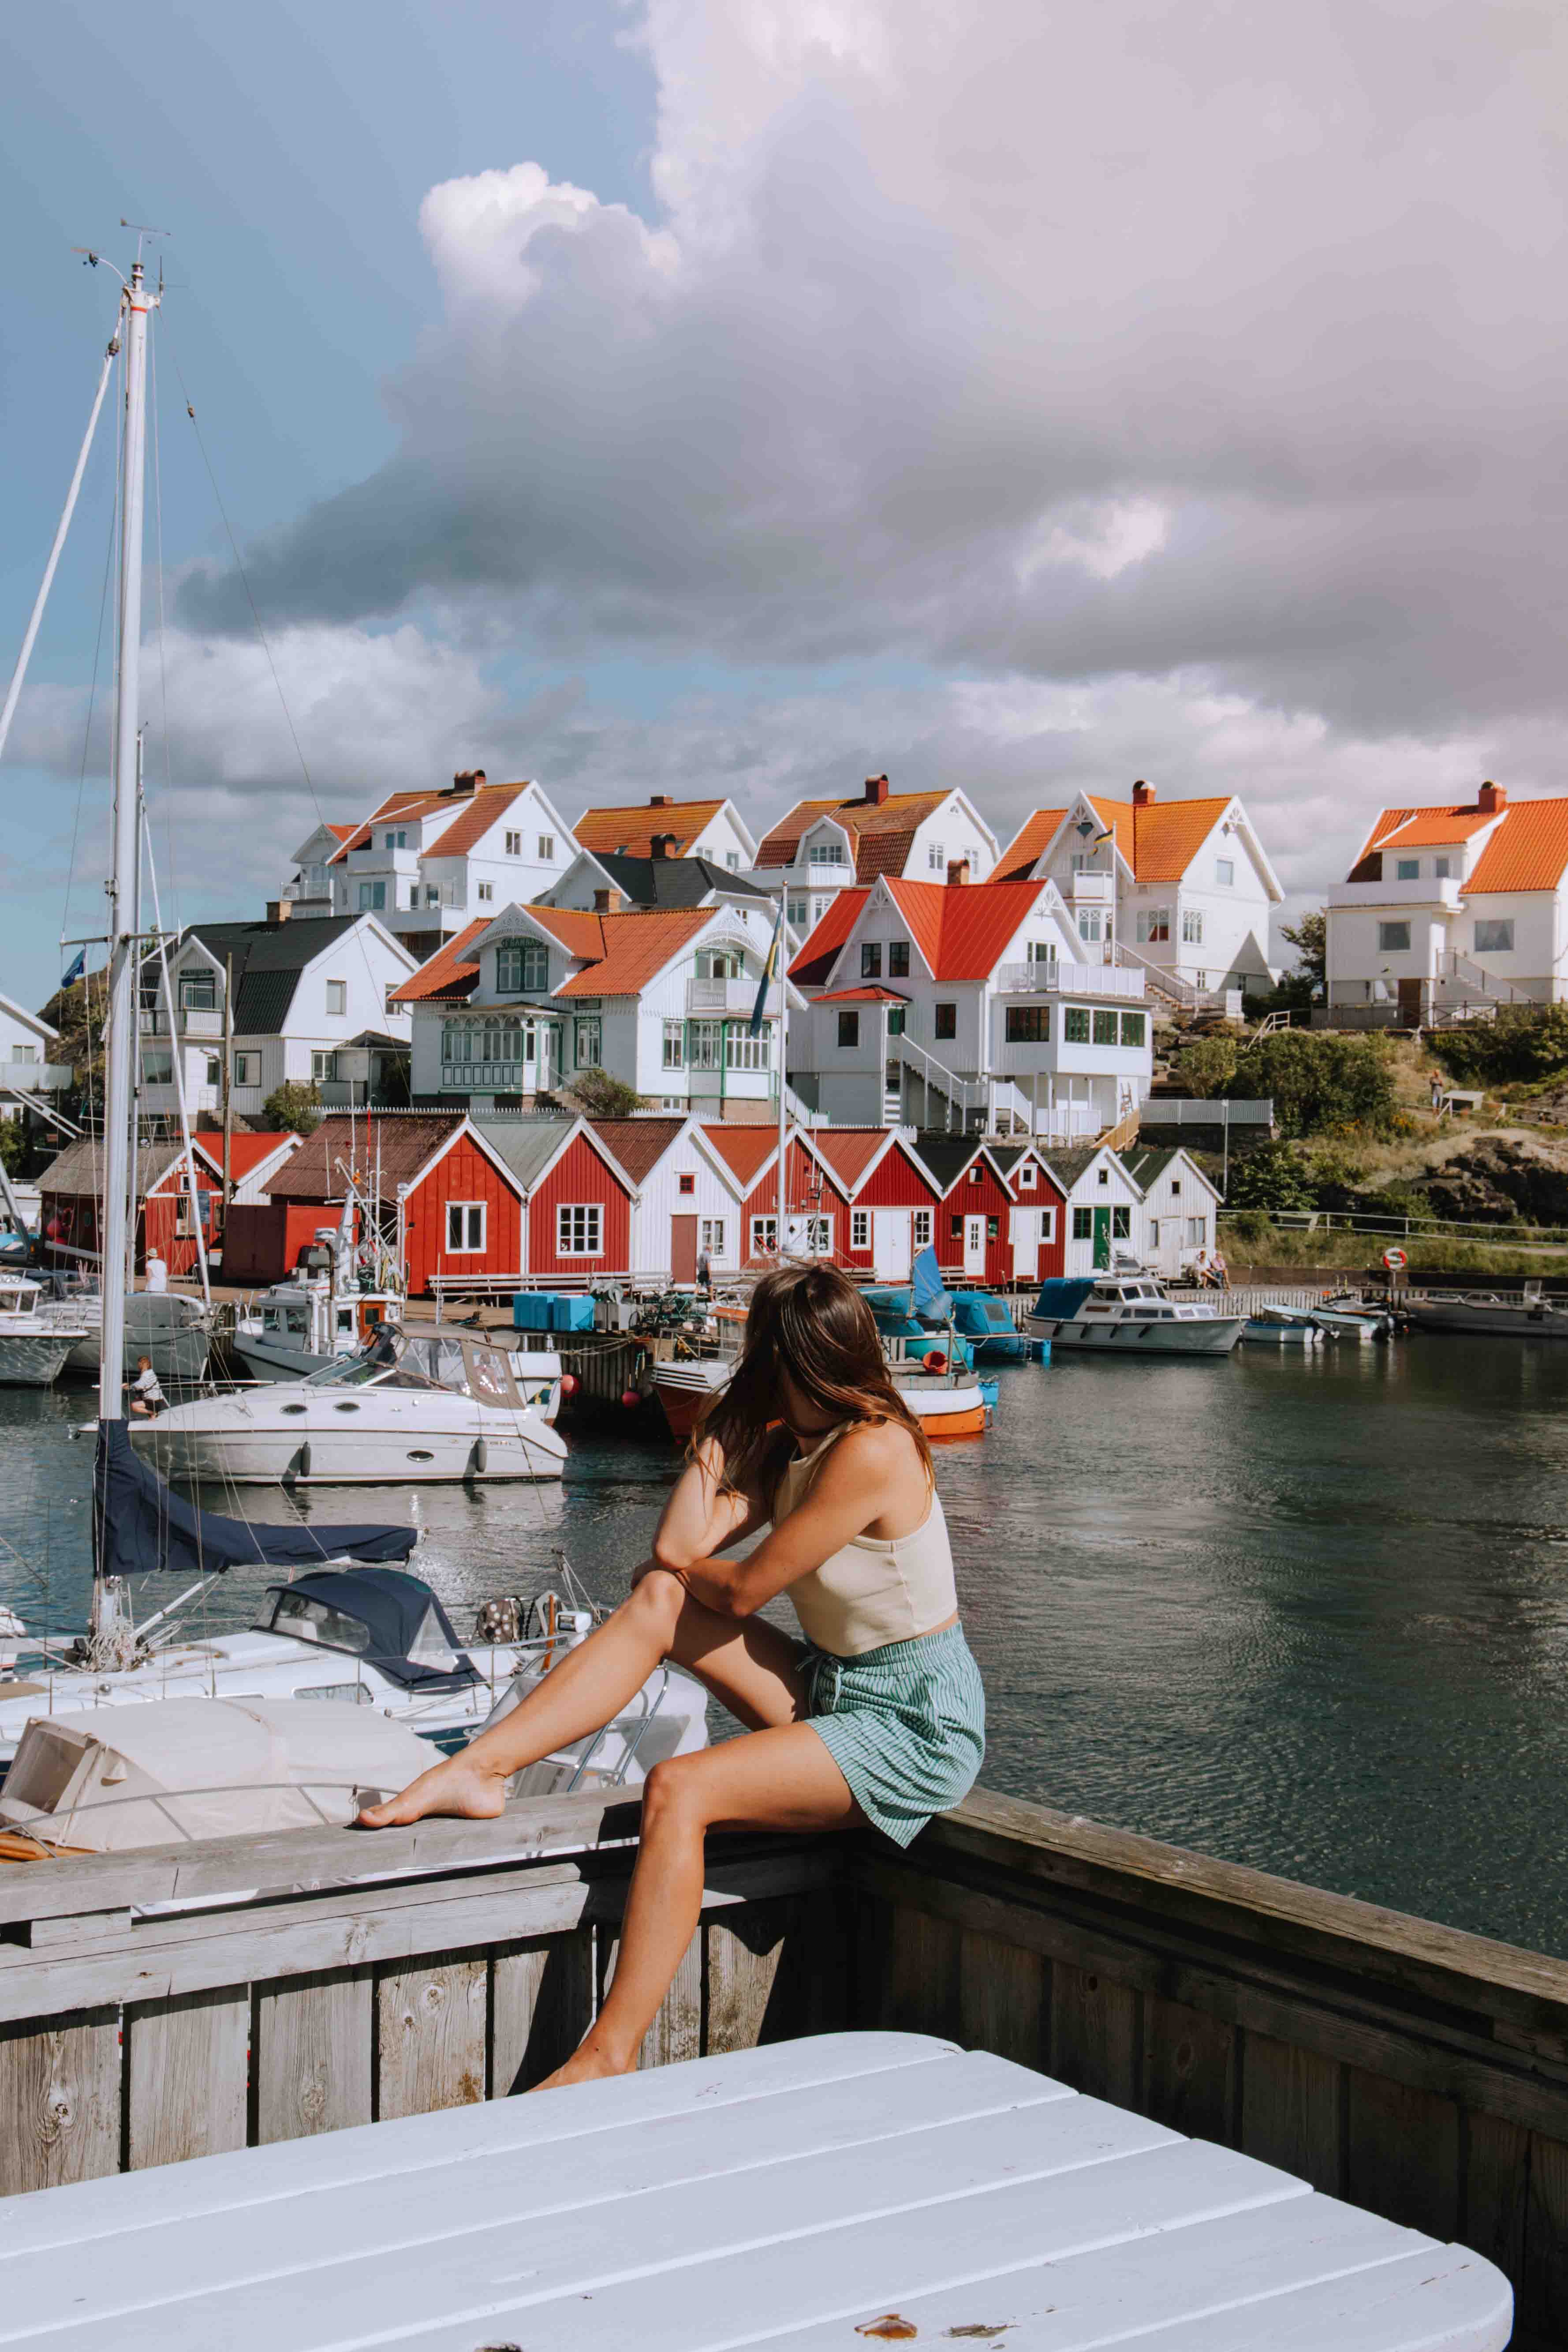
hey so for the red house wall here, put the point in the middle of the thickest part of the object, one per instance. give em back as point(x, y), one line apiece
point(894, 1183)
point(989, 1198)
point(579, 1175)
point(802, 1178)
point(463, 1173)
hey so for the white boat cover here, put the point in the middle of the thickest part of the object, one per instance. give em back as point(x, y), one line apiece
point(106, 1779)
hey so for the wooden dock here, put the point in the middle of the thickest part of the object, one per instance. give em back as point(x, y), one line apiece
point(169, 2004)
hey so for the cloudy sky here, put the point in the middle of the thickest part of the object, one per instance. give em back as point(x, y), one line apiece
point(750, 395)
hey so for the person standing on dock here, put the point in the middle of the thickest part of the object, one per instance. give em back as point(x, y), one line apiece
point(878, 1717)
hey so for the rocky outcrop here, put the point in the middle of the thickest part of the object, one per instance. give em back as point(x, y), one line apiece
point(1499, 1181)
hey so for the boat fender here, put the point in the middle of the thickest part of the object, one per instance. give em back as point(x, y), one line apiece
point(630, 1399)
point(568, 1384)
point(302, 1461)
point(479, 1459)
point(933, 1360)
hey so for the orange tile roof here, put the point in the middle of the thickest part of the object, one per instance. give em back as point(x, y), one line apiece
point(635, 950)
point(745, 1149)
point(963, 932)
point(579, 933)
point(848, 1151)
point(450, 971)
point(247, 1150)
point(880, 831)
point(1168, 835)
point(474, 814)
point(632, 830)
point(1528, 851)
point(343, 831)
point(1018, 860)
point(475, 819)
point(1415, 828)
point(812, 964)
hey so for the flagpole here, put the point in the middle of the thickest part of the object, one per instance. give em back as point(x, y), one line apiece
point(784, 1070)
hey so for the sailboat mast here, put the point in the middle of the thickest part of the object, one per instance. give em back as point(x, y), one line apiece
point(119, 1095)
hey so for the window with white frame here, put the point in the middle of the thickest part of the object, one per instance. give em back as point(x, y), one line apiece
point(214, 1070)
point(1495, 938)
point(1028, 1175)
point(412, 895)
point(797, 914)
point(1175, 1188)
point(920, 1229)
point(764, 1237)
point(398, 840)
point(705, 1044)
point(547, 849)
point(588, 1040)
point(675, 1045)
point(1089, 923)
point(337, 997)
point(732, 860)
point(579, 1229)
point(745, 1052)
point(710, 1235)
point(198, 990)
point(465, 1221)
point(372, 897)
point(1048, 1224)
point(1192, 927)
point(1225, 872)
point(1041, 952)
point(157, 1066)
point(1153, 1233)
point(818, 909)
point(827, 853)
point(485, 892)
point(1153, 925)
point(1441, 869)
point(1121, 1225)
point(1197, 1233)
point(324, 1066)
point(936, 857)
point(514, 844)
point(1083, 1224)
point(860, 1229)
point(1407, 869)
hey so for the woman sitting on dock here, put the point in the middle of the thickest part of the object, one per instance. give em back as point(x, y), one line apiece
point(878, 1717)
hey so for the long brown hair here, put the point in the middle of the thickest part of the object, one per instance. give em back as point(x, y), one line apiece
point(811, 1322)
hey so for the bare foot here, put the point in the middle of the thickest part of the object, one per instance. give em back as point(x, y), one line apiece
point(461, 1786)
point(588, 2064)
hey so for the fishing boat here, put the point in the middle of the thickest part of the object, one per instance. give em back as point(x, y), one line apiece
point(34, 1348)
point(1127, 1312)
point(1489, 1314)
point(432, 1407)
point(1276, 1326)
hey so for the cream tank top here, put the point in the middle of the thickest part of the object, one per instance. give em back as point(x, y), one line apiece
point(875, 1590)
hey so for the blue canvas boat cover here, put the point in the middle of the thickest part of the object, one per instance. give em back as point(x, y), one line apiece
point(932, 1302)
point(381, 1614)
point(140, 1524)
point(1063, 1294)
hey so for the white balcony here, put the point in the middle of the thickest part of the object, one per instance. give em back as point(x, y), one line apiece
point(1071, 980)
point(1446, 894)
point(37, 1078)
point(713, 996)
point(194, 1021)
point(374, 859)
point(1087, 889)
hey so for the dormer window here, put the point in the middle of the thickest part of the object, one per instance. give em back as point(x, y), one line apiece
point(522, 966)
point(828, 852)
point(198, 992)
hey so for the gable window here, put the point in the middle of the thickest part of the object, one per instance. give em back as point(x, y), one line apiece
point(1225, 872)
point(975, 1173)
point(248, 1069)
point(718, 963)
point(1075, 1024)
point(1175, 1188)
point(848, 1027)
point(514, 844)
point(1407, 869)
point(1041, 952)
point(1132, 1028)
point(465, 1226)
point(1192, 927)
point(675, 1045)
point(936, 857)
point(1121, 1224)
point(870, 958)
point(198, 992)
point(898, 960)
point(521, 964)
point(1029, 1024)
point(372, 897)
point(860, 1229)
point(1083, 1224)
point(944, 1021)
point(796, 915)
point(547, 849)
point(586, 1045)
point(920, 1229)
point(1395, 938)
point(1495, 938)
point(685, 1184)
point(732, 860)
point(1153, 925)
point(578, 1229)
point(485, 892)
point(337, 997)
point(1089, 923)
point(1104, 1028)
point(1027, 1176)
point(1103, 1177)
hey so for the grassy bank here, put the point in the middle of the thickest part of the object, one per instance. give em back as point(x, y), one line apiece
point(1246, 1241)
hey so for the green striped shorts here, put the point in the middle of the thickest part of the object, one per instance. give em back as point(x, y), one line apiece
point(904, 1723)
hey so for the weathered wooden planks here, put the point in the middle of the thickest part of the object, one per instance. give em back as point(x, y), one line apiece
point(60, 2101)
point(314, 2055)
point(187, 2069)
point(432, 2030)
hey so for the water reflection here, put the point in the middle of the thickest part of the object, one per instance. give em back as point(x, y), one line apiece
point(1309, 1615)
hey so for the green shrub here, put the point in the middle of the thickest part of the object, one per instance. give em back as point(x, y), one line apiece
point(1518, 1046)
point(296, 1104)
point(1270, 1178)
point(1320, 1081)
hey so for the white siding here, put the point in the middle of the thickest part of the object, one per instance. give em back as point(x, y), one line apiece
point(714, 1198)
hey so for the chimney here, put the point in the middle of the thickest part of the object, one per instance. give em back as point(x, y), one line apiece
point(607, 902)
point(464, 782)
point(279, 909)
point(658, 800)
point(663, 845)
point(1143, 795)
point(1490, 799)
point(875, 791)
point(958, 873)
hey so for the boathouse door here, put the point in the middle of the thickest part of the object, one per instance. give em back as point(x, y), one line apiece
point(683, 1249)
point(974, 1246)
point(1102, 1238)
point(892, 1249)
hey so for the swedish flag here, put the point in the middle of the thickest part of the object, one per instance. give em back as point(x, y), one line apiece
point(759, 1008)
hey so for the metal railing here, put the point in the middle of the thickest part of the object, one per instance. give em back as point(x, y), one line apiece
point(1168, 984)
point(194, 1021)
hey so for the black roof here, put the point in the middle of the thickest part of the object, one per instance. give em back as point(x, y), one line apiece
point(673, 881)
point(268, 960)
point(947, 1155)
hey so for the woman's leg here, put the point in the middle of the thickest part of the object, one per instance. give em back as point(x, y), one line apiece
point(750, 1666)
point(783, 1779)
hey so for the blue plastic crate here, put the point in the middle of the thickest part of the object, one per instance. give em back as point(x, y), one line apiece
point(530, 1310)
point(571, 1312)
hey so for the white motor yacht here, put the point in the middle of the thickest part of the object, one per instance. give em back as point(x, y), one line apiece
point(33, 1347)
point(438, 1407)
point(1126, 1312)
point(303, 1326)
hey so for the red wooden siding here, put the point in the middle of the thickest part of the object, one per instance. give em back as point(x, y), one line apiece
point(805, 1177)
point(580, 1176)
point(1053, 1254)
point(897, 1183)
point(71, 1218)
point(989, 1198)
point(463, 1173)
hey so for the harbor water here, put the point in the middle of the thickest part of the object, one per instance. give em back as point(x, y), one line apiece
point(1310, 1615)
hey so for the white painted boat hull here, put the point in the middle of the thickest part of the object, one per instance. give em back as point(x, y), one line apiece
point(33, 1359)
point(325, 1437)
point(1209, 1335)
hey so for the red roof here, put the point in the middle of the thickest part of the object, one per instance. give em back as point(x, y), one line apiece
point(450, 971)
point(1036, 833)
point(626, 952)
point(632, 830)
point(473, 814)
point(245, 1150)
point(744, 1150)
point(881, 833)
point(815, 960)
point(1413, 828)
point(849, 1151)
point(862, 996)
point(343, 831)
point(638, 1144)
point(963, 931)
point(1528, 851)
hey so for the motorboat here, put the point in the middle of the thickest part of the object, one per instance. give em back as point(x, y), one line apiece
point(33, 1347)
point(307, 1324)
point(441, 1406)
point(370, 1637)
point(1347, 1319)
point(1128, 1312)
point(173, 1330)
point(1532, 1316)
point(947, 1403)
point(1276, 1325)
point(986, 1323)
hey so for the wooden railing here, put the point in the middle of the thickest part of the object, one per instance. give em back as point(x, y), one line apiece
point(168, 2004)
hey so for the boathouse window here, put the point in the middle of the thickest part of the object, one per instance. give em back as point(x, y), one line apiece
point(1407, 869)
point(1029, 1024)
point(465, 1226)
point(898, 960)
point(578, 1227)
point(1494, 937)
point(1132, 1028)
point(870, 958)
point(919, 1230)
point(687, 1183)
point(1225, 872)
point(1105, 1176)
point(848, 1027)
point(860, 1229)
point(955, 1227)
point(1121, 1224)
point(1192, 927)
point(521, 964)
point(1026, 1176)
point(764, 1237)
point(992, 1229)
point(1075, 1024)
point(1104, 1028)
point(1083, 1224)
point(1153, 1233)
point(946, 1021)
point(710, 1236)
point(675, 1045)
point(1154, 924)
point(975, 1173)
point(1197, 1231)
point(1175, 1188)
point(1396, 936)
point(1048, 1218)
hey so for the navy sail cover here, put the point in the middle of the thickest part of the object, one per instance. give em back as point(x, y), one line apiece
point(140, 1524)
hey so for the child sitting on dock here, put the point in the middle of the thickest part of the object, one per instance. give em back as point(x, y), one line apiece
point(878, 1717)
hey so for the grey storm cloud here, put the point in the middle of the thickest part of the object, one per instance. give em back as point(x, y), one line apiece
point(1045, 342)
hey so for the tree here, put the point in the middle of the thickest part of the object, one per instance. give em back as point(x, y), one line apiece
point(599, 1096)
point(1310, 940)
point(79, 1013)
point(1208, 1065)
point(296, 1104)
point(1270, 1178)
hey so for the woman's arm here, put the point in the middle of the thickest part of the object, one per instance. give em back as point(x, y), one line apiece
point(860, 1481)
point(702, 1513)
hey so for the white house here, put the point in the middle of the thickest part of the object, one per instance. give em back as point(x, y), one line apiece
point(825, 847)
point(660, 1000)
point(29, 1073)
point(309, 890)
point(310, 1003)
point(1104, 1206)
point(953, 1003)
point(1184, 887)
point(689, 1199)
point(1455, 906)
point(665, 827)
point(424, 864)
point(1180, 1208)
